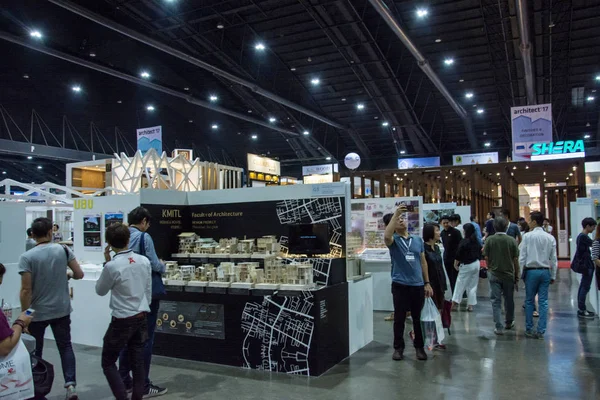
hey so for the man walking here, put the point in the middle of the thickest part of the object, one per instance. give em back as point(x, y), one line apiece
point(128, 277)
point(410, 280)
point(45, 288)
point(538, 258)
point(141, 243)
point(512, 229)
point(30, 242)
point(477, 229)
point(501, 254)
point(489, 225)
point(587, 268)
point(451, 238)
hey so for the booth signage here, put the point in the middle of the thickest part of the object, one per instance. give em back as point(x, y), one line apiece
point(149, 138)
point(188, 154)
point(480, 158)
point(422, 162)
point(83, 204)
point(318, 169)
point(557, 150)
point(263, 164)
point(530, 125)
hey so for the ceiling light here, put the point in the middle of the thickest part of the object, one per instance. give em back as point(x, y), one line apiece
point(76, 88)
point(35, 34)
point(26, 76)
point(220, 26)
point(394, 128)
point(461, 80)
point(328, 158)
point(590, 98)
point(487, 144)
point(292, 69)
point(544, 173)
point(515, 167)
point(29, 157)
point(213, 98)
point(598, 77)
point(588, 125)
point(150, 108)
point(449, 61)
point(254, 137)
point(315, 81)
point(272, 120)
point(527, 167)
point(343, 99)
point(464, 173)
point(190, 121)
point(497, 173)
point(570, 174)
point(215, 126)
point(249, 111)
point(145, 74)
point(39, 167)
point(587, 136)
point(438, 40)
point(305, 133)
point(186, 89)
point(92, 54)
point(422, 12)
point(360, 106)
point(469, 95)
point(119, 101)
point(480, 111)
point(385, 123)
point(3, 172)
point(259, 46)
point(544, 179)
point(484, 133)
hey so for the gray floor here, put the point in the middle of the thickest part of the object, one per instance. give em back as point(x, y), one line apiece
point(477, 365)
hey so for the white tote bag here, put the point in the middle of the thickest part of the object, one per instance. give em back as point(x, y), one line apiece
point(16, 379)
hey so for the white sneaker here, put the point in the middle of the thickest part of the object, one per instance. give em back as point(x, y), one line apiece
point(71, 393)
point(154, 391)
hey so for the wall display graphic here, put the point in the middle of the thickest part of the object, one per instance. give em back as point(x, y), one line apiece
point(472, 159)
point(373, 211)
point(112, 218)
point(92, 238)
point(191, 319)
point(530, 125)
point(422, 162)
point(433, 215)
point(149, 138)
point(91, 223)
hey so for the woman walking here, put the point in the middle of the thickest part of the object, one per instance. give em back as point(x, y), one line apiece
point(467, 265)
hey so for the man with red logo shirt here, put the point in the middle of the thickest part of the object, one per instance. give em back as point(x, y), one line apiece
point(128, 277)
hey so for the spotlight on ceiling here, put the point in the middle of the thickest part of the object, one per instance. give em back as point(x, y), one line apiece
point(328, 158)
point(305, 133)
point(213, 98)
point(29, 157)
point(469, 95)
point(186, 89)
point(35, 34)
point(76, 88)
point(315, 81)
point(487, 144)
point(272, 120)
point(254, 137)
point(39, 167)
point(145, 74)
point(92, 54)
point(587, 136)
point(3, 172)
point(385, 123)
point(220, 25)
point(259, 46)
point(598, 78)
point(402, 151)
point(480, 111)
point(360, 106)
point(422, 12)
point(215, 126)
point(449, 61)
point(590, 98)
point(438, 40)
point(26, 76)
point(150, 108)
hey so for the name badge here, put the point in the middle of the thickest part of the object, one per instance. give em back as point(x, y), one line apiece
point(410, 257)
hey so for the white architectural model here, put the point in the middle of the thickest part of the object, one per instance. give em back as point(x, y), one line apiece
point(298, 274)
point(187, 242)
point(267, 245)
point(246, 246)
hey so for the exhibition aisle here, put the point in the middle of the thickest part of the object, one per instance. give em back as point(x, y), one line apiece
point(476, 364)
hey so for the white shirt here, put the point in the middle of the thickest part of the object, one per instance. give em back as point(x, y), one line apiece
point(129, 278)
point(538, 250)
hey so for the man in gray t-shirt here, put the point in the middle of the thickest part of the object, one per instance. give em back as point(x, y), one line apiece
point(45, 288)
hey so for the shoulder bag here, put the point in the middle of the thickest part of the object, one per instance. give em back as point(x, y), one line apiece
point(158, 287)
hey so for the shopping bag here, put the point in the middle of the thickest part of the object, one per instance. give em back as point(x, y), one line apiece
point(431, 324)
point(16, 378)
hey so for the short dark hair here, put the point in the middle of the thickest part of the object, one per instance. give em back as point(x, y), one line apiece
point(443, 217)
point(589, 221)
point(473, 218)
point(469, 231)
point(506, 213)
point(521, 219)
point(56, 225)
point(137, 215)
point(492, 214)
point(538, 217)
point(429, 231)
point(546, 219)
point(455, 217)
point(500, 224)
point(387, 218)
point(117, 235)
point(2, 270)
point(40, 227)
point(28, 231)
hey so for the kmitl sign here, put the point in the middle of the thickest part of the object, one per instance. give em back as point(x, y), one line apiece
point(557, 150)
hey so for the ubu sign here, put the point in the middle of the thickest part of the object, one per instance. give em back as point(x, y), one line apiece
point(83, 204)
point(558, 150)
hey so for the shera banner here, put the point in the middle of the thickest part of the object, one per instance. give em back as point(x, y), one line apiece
point(530, 125)
point(479, 158)
point(150, 138)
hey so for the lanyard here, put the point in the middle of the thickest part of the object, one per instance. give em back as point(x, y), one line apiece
point(408, 246)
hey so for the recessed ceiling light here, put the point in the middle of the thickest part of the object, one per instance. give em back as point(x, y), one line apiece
point(484, 133)
point(449, 61)
point(249, 111)
point(186, 89)
point(360, 106)
point(527, 167)
point(598, 77)
point(402, 151)
point(315, 81)
point(586, 136)
point(35, 34)
point(544, 173)
point(487, 144)
point(76, 88)
point(328, 158)
point(29, 157)
point(220, 26)
point(305, 132)
point(422, 12)
point(119, 101)
point(150, 108)
point(469, 95)
point(461, 80)
point(92, 54)
point(272, 120)
point(480, 111)
point(590, 98)
point(344, 99)
point(259, 46)
point(394, 128)
point(26, 76)
point(515, 167)
point(292, 69)
point(215, 126)
point(145, 74)
point(39, 167)
point(3, 172)
point(213, 98)
point(254, 137)
point(438, 40)
point(190, 121)
point(588, 125)
point(385, 123)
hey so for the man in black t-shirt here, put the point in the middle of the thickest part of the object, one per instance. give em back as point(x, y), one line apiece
point(584, 243)
point(451, 238)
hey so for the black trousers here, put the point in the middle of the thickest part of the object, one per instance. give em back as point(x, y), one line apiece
point(452, 272)
point(407, 298)
point(133, 333)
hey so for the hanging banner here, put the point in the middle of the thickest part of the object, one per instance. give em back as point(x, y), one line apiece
point(530, 125)
point(319, 169)
point(479, 158)
point(150, 138)
point(263, 164)
point(408, 163)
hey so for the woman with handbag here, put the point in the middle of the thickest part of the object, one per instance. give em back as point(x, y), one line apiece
point(467, 264)
point(11, 337)
point(435, 266)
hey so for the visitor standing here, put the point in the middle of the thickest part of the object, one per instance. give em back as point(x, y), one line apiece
point(456, 223)
point(128, 276)
point(45, 288)
point(512, 228)
point(30, 241)
point(537, 256)
point(489, 225)
point(435, 264)
point(587, 266)
point(467, 264)
point(141, 243)
point(477, 229)
point(410, 280)
point(451, 238)
point(56, 235)
point(502, 257)
point(547, 227)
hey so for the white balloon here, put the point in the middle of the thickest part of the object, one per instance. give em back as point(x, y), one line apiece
point(352, 160)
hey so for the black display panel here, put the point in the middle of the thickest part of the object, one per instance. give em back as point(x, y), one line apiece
point(308, 239)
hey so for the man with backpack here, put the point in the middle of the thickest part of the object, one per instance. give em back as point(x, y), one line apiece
point(141, 243)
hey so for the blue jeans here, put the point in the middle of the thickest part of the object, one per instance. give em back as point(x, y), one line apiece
point(61, 329)
point(498, 289)
point(537, 282)
point(584, 288)
point(124, 365)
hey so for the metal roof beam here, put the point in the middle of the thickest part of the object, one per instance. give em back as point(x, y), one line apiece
point(526, 48)
point(51, 152)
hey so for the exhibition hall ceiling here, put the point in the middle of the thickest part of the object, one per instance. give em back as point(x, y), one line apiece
point(347, 83)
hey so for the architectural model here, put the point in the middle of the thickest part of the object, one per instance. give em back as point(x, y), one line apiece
point(187, 242)
point(267, 245)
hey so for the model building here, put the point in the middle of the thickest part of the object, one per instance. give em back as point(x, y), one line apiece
point(298, 274)
point(273, 270)
point(246, 246)
point(228, 246)
point(267, 245)
point(187, 272)
point(187, 242)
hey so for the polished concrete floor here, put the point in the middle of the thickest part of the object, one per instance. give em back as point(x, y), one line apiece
point(477, 365)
